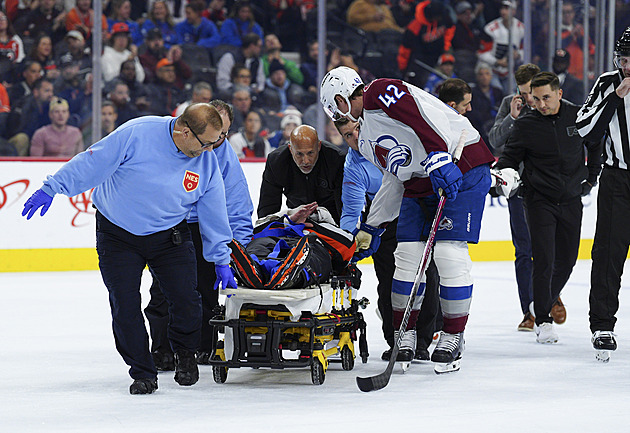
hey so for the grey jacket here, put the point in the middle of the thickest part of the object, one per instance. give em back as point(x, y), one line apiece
point(503, 124)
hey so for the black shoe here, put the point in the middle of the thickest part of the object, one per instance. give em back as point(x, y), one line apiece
point(203, 358)
point(143, 386)
point(387, 354)
point(422, 354)
point(186, 371)
point(164, 361)
point(245, 268)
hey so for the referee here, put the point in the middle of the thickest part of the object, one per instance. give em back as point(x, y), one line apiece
point(606, 114)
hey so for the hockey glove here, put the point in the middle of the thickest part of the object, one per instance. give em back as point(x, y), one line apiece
point(444, 174)
point(225, 277)
point(37, 200)
point(586, 188)
point(368, 240)
point(505, 181)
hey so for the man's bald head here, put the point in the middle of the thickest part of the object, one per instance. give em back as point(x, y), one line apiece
point(304, 147)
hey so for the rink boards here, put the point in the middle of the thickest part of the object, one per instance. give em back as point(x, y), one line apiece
point(64, 239)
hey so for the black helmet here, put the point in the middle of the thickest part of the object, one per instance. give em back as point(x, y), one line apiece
point(622, 46)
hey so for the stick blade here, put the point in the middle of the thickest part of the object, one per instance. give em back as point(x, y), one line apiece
point(373, 383)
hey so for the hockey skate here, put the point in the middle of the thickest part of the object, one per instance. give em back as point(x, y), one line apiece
point(603, 343)
point(407, 348)
point(448, 353)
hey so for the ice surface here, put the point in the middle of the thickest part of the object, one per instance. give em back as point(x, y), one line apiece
point(60, 372)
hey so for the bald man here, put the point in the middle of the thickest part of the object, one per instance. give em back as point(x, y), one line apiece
point(306, 170)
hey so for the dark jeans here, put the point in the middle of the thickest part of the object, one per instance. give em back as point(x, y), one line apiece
point(523, 252)
point(430, 316)
point(555, 233)
point(157, 309)
point(610, 247)
point(122, 258)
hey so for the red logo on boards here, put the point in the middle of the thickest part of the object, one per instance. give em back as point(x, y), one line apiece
point(191, 181)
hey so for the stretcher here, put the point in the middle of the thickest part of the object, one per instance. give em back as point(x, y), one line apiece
point(294, 328)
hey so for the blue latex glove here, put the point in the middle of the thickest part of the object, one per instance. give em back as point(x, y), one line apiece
point(225, 277)
point(443, 173)
point(373, 237)
point(37, 200)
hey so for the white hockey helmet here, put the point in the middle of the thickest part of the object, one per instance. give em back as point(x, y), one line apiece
point(342, 81)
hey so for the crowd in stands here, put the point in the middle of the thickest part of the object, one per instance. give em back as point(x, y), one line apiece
point(259, 55)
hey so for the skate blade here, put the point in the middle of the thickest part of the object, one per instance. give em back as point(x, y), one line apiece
point(602, 355)
point(441, 368)
point(404, 365)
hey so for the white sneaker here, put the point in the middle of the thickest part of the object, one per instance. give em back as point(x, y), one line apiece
point(545, 333)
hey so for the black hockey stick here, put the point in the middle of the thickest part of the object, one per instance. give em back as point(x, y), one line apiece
point(373, 383)
point(380, 381)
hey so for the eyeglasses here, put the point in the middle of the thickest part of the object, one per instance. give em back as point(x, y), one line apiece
point(203, 145)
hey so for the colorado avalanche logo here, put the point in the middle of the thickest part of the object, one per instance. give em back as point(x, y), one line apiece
point(445, 224)
point(390, 154)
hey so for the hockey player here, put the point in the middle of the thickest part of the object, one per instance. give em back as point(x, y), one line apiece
point(411, 134)
point(147, 175)
point(606, 114)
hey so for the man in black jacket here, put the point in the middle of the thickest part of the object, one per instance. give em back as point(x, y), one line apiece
point(306, 170)
point(554, 179)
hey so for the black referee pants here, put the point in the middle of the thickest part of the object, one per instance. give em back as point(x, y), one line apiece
point(122, 258)
point(157, 309)
point(555, 233)
point(610, 247)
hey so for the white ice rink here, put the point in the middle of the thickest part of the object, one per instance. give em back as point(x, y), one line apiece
point(60, 372)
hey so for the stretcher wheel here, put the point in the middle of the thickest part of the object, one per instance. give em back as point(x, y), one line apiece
point(219, 374)
point(347, 358)
point(317, 372)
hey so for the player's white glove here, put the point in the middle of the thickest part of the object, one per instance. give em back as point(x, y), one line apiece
point(505, 181)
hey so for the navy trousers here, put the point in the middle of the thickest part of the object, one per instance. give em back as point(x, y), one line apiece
point(523, 262)
point(157, 309)
point(122, 258)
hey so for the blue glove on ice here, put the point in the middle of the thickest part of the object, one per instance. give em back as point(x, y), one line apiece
point(37, 200)
point(368, 240)
point(444, 174)
point(225, 277)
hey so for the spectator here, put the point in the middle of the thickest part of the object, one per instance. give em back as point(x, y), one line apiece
point(248, 55)
point(308, 67)
point(46, 18)
point(216, 12)
point(128, 76)
point(5, 109)
point(249, 141)
point(109, 116)
point(201, 92)
point(486, 100)
point(75, 46)
point(196, 29)
point(119, 95)
point(119, 50)
point(427, 37)
point(73, 90)
point(289, 22)
point(347, 59)
point(279, 92)
point(81, 17)
point(466, 41)
point(57, 139)
point(572, 41)
point(31, 72)
point(371, 16)
point(11, 48)
point(242, 103)
point(160, 18)
point(495, 50)
point(121, 13)
point(272, 51)
point(164, 96)
point(42, 52)
point(291, 119)
point(34, 115)
point(403, 12)
point(240, 24)
point(176, 9)
point(572, 88)
point(156, 51)
point(446, 65)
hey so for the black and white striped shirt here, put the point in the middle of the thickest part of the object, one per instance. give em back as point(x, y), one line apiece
point(606, 114)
